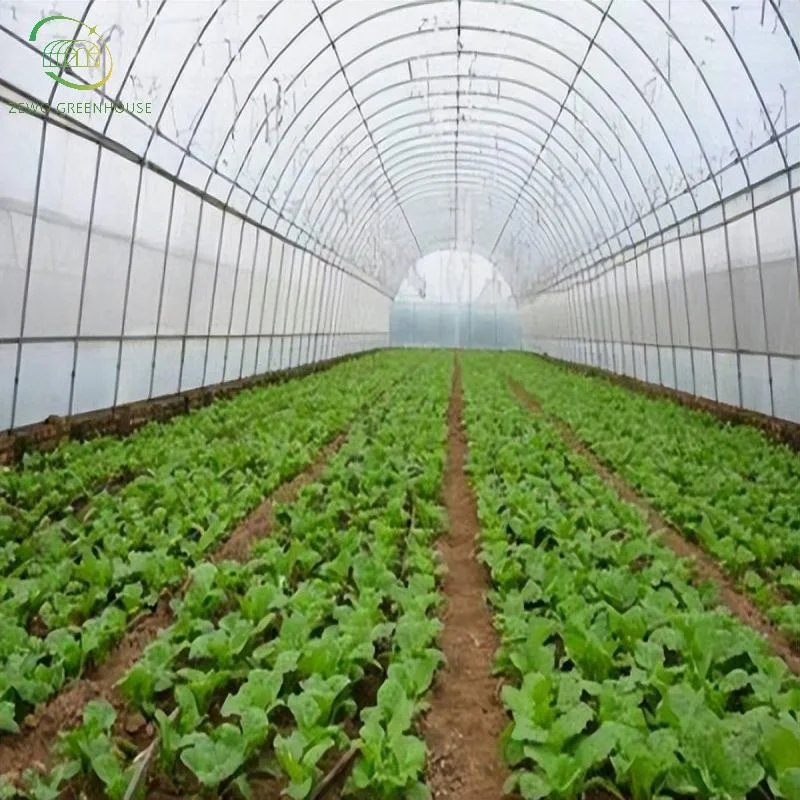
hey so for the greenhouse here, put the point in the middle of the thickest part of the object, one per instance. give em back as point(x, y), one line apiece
point(400, 399)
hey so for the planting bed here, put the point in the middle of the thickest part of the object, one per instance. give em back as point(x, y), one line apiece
point(622, 676)
point(414, 576)
point(727, 487)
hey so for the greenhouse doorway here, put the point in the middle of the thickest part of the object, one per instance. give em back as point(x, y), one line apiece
point(455, 299)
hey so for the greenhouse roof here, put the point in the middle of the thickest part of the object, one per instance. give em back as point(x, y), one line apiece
point(544, 135)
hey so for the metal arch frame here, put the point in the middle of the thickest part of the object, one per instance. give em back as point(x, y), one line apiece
point(711, 175)
point(317, 92)
point(232, 188)
point(141, 121)
point(229, 133)
point(531, 200)
point(725, 123)
point(535, 209)
point(678, 159)
point(555, 279)
point(743, 165)
point(343, 72)
point(142, 161)
point(437, 242)
point(214, 169)
point(503, 187)
point(622, 112)
point(439, 190)
point(702, 231)
point(546, 46)
point(31, 238)
point(474, 28)
point(560, 164)
point(774, 138)
point(528, 9)
point(456, 205)
point(779, 17)
point(540, 153)
point(532, 106)
point(534, 206)
point(443, 150)
point(522, 135)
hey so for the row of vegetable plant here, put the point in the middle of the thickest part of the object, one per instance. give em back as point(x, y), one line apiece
point(621, 676)
point(728, 487)
point(64, 606)
point(260, 682)
point(50, 485)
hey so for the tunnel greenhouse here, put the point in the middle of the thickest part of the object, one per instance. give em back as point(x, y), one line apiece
point(400, 399)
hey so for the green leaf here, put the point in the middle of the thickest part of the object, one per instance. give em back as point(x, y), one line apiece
point(419, 791)
point(260, 691)
point(255, 728)
point(596, 748)
point(570, 724)
point(7, 721)
point(214, 760)
point(734, 680)
point(108, 768)
point(99, 715)
point(781, 745)
point(789, 784)
point(533, 786)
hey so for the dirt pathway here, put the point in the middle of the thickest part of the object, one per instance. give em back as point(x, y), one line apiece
point(705, 566)
point(465, 722)
point(33, 745)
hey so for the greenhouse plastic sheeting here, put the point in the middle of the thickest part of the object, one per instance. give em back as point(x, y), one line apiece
point(205, 190)
point(493, 326)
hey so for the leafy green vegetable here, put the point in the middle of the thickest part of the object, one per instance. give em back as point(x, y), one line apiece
point(621, 674)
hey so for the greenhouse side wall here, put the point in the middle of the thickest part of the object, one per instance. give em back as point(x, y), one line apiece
point(135, 287)
point(710, 307)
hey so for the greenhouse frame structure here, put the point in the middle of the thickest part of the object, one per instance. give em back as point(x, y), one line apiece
point(271, 171)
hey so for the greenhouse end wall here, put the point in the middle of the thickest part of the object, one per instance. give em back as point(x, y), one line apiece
point(470, 326)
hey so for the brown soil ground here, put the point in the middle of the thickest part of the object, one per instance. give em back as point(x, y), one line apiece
point(465, 722)
point(33, 745)
point(705, 566)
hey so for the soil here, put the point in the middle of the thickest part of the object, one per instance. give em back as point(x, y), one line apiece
point(706, 568)
point(465, 722)
point(40, 729)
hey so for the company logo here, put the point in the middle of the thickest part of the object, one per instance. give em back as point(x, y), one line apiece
point(83, 56)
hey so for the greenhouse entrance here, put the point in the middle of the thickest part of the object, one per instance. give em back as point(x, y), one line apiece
point(400, 400)
point(454, 299)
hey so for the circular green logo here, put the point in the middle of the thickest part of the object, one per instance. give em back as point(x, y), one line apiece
point(75, 54)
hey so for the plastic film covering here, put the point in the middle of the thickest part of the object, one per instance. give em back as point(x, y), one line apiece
point(273, 169)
